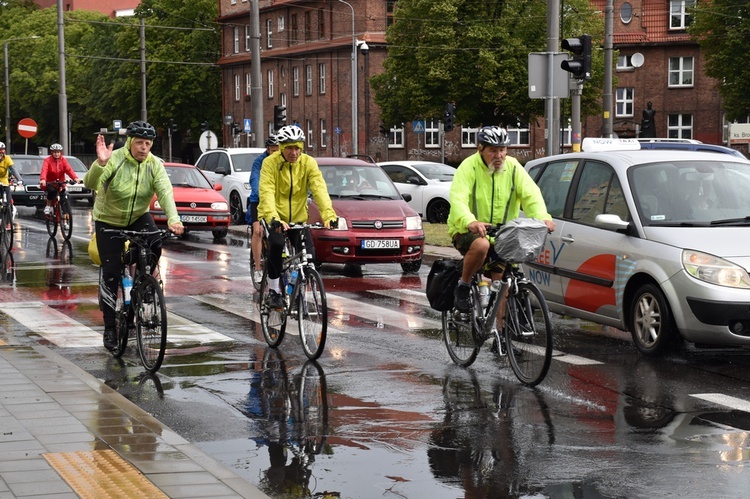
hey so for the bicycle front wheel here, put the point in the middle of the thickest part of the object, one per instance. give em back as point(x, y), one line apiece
point(66, 220)
point(6, 264)
point(459, 337)
point(7, 226)
point(528, 334)
point(312, 313)
point(272, 319)
point(51, 221)
point(150, 322)
point(121, 320)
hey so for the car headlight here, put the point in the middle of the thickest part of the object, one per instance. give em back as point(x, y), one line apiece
point(714, 270)
point(247, 186)
point(157, 206)
point(413, 223)
point(342, 225)
point(220, 206)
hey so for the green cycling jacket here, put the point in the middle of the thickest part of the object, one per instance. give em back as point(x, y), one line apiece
point(124, 188)
point(492, 191)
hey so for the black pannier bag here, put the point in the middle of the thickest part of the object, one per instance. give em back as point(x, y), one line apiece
point(442, 281)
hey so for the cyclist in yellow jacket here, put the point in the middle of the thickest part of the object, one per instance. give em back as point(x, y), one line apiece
point(286, 177)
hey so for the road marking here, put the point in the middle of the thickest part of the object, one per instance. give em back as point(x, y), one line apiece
point(725, 400)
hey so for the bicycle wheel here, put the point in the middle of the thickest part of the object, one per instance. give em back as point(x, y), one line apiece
point(4, 233)
point(263, 253)
point(313, 406)
point(6, 263)
point(121, 320)
point(312, 313)
point(51, 220)
point(66, 219)
point(7, 223)
point(272, 320)
point(459, 332)
point(150, 322)
point(528, 334)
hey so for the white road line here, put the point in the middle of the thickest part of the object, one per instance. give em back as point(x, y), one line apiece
point(725, 400)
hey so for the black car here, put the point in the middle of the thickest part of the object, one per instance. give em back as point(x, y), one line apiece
point(30, 194)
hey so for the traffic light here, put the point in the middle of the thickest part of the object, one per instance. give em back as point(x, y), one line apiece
point(204, 126)
point(279, 116)
point(172, 127)
point(580, 64)
point(235, 129)
point(450, 113)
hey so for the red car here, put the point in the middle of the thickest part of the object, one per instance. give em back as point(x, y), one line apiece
point(199, 204)
point(376, 224)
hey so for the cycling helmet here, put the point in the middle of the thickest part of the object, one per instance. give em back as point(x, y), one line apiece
point(2, 145)
point(272, 141)
point(142, 130)
point(290, 133)
point(55, 147)
point(494, 136)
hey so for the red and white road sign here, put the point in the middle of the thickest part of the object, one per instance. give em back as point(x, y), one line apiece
point(27, 128)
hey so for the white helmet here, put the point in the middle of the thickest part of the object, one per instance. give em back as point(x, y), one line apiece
point(55, 147)
point(290, 133)
point(2, 145)
point(494, 136)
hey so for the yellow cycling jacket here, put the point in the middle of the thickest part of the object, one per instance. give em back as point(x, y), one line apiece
point(284, 188)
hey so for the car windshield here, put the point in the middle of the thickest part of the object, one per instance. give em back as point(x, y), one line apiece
point(358, 182)
point(76, 164)
point(187, 177)
point(28, 166)
point(436, 171)
point(692, 193)
point(244, 162)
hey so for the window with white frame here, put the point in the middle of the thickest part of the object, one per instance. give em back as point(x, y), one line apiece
point(247, 38)
point(248, 84)
point(680, 126)
point(295, 81)
point(309, 127)
point(567, 135)
point(270, 83)
point(679, 17)
point(519, 136)
point(236, 87)
point(308, 79)
point(322, 78)
point(624, 63)
point(323, 134)
point(680, 71)
point(431, 133)
point(469, 136)
point(280, 24)
point(396, 138)
point(269, 33)
point(236, 38)
point(624, 102)
point(282, 96)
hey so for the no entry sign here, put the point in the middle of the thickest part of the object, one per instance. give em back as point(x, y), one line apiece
point(27, 128)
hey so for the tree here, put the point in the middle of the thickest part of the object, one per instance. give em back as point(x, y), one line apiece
point(474, 54)
point(721, 27)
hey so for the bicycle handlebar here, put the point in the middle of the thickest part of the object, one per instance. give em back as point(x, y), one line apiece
point(141, 235)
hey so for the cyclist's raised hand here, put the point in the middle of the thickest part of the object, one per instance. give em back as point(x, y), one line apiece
point(103, 152)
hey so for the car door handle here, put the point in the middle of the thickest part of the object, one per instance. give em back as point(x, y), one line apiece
point(567, 239)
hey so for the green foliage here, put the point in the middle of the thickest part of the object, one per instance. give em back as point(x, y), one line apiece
point(474, 54)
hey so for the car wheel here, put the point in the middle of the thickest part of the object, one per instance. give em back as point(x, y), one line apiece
point(437, 211)
point(220, 234)
point(411, 267)
point(651, 323)
point(235, 208)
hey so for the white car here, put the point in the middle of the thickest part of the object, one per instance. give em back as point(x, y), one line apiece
point(428, 183)
point(231, 168)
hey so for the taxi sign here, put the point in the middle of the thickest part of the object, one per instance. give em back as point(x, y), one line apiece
point(600, 144)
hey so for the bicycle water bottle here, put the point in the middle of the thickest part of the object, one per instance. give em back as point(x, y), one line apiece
point(484, 293)
point(127, 284)
point(292, 281)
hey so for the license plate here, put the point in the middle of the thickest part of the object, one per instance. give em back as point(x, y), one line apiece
point(35, 197)
point(75, 188)
point(381, 243)
point(193, 218)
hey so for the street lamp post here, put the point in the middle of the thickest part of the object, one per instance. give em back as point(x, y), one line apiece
point(355, 135)
point(7, 86)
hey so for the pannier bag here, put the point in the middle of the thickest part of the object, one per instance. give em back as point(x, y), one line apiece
point(442, 281)
point(521, 240)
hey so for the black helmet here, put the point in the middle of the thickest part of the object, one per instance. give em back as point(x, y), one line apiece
point(272, 140)
point(493, 136)
point(142, 130)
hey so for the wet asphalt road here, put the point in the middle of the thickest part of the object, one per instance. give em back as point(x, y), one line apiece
point(384, 413)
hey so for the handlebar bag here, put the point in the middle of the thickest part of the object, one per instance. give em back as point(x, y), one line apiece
point(521, 240)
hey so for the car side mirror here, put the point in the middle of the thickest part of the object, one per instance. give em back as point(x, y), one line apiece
point(415, 180)
point(407, 197)
point(222, 170)
point(217, 187)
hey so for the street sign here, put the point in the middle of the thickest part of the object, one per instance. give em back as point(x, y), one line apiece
point(248, 125)
point(539, 77)
point(116, 125)
point(208, 140)
point(27, 128)
point(419, 126)
point(337, 130)
point(739, 133)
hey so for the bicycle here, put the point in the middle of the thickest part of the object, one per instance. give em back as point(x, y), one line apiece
point(61, 215)
point(306, 297)
point(526, 333)
point(6, 219)
point(263, 254)
point(145, 306)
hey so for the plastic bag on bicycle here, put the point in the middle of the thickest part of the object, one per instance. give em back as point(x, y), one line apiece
point(521, 240)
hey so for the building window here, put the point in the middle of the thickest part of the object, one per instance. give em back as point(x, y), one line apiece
point(469, 136)
point(680, 71)
point(248, 84)
point(293, 22)
point(295, 81)
point(431, 133)
point(626, 13)
point(624, 63)
point(322, 77)
point(269, 34)
point(624, 102)
point(323, 134)
point(680, 126)
point(280, 24)
point(389, 8)
point(519, 136)
point(236, 87)
point(270, 84)
point(679, 18)
point(321, 24)
point(236, 37)
point(396, 138)
point(282, 97)
point(308, 79)
point(309, 126)
point(308, 25)
point(247, 38)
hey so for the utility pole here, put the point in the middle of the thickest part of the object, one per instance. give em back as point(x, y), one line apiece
point(63, 97)
point(256, 88)
point(552, 109)
point(144, 114)
point(607, 128)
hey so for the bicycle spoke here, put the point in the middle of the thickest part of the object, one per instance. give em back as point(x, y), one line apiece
point(151, 322)
point(312, 314)
point(272, 320)
point(528, 334)
point(459, 338)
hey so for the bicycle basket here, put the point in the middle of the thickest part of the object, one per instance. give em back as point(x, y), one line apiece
point(521, 240)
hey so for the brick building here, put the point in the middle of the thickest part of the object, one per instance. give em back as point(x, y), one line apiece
point(306, 50)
